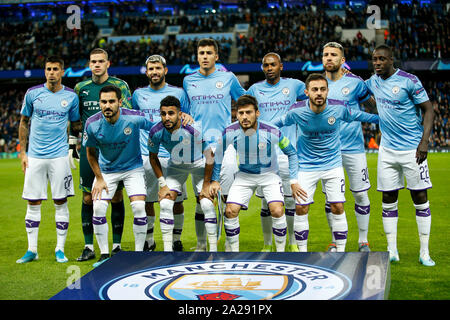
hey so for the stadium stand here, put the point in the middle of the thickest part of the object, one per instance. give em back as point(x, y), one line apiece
point(418, 32)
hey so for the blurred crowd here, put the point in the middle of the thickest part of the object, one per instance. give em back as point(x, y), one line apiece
point(297, 33)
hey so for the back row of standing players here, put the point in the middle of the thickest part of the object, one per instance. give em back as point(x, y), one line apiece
point(325, 143)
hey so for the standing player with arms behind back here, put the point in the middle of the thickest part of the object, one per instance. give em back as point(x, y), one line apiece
point(88, 93)
point(275, 95)
point(402, 104)
point(353, 91)
point(48, 108)
point(210, 92)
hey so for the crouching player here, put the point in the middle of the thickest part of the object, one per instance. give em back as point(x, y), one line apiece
point(255, 142)
point(115, 132)
point(186, 148)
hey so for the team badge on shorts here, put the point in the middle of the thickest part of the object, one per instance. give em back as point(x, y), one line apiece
point(219, 84)
point(64, 103)
point(395, 90)
point(345, 91)
point(127, 131)
point(331, 120)
point(285, 91)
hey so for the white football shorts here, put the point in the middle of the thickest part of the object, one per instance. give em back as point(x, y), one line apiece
point(396, 166)
point(177, 175)
point(41, 171)
point(245, 184)
point(333, 184)
point(152, 182)
point(355, 164)
point(283, 172)
point(133, 180)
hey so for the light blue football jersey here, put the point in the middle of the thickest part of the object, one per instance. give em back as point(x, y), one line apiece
point(119, 145)
point(352, 90)
point(210, 100)
point(148, 101)
point(318, 142)
point(185, 144)
point(275, 100)
point(50, 113)
point(257, 152)
point(400, 119)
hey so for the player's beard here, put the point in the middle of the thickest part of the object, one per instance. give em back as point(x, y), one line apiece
point(111, 114)
point(158, 82)
point(333, 68)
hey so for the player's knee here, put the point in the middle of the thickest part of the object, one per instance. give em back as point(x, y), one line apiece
point(301, 210)
point(337, 208)
point(361, 198)
point(178, 208)
point(100, 208)
point(60, 202)
point(419, 197)
point(150, 209)
point(138, 208)
point(390, 196)
point(276, 211)
point(87, 198)
point(231, 212)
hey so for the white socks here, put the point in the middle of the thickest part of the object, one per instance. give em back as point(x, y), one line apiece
point(100, 225)
point(62, 224)
point(166, 222)
point(339, 228)
point(32, 221)
point(210, 223)
point(279, 228)
point(390, 219)
point(232, 230)
point(423, 219)
point(301, 231)
point(139, 224)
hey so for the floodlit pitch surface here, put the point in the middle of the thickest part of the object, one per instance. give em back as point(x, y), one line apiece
point(45, 277)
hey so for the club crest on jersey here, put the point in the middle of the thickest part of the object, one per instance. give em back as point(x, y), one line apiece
point(219, 84)
point(185, 141)
point(285, 91)
point(229, 280)
point(331, 120)
point(64, 103)
point(127, 131)
point(395, 90)
point(345, 91)
point(262, 145)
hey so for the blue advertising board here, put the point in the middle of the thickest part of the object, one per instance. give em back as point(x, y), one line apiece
point(235, 276)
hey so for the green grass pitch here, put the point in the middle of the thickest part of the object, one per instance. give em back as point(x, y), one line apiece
point(45, 277)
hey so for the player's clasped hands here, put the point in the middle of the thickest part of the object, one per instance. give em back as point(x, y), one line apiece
point(164, 193)
point(214, 187)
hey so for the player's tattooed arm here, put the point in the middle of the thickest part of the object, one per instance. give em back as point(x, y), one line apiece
point(23, 140)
